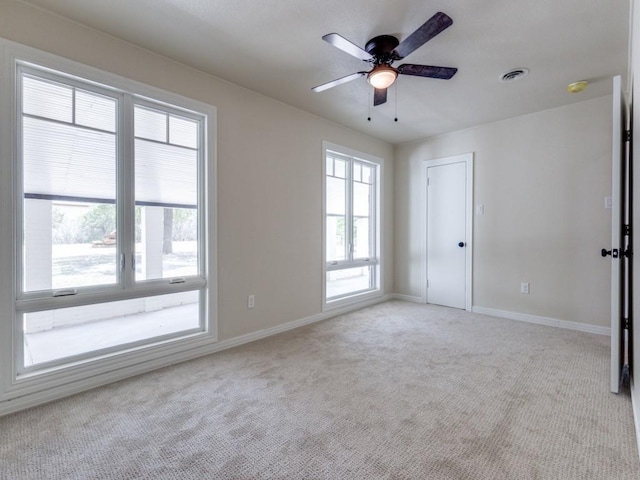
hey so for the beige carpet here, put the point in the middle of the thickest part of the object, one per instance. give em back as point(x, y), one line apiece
point(395, 391)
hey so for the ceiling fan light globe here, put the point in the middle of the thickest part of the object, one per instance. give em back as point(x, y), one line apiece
point(382, 76)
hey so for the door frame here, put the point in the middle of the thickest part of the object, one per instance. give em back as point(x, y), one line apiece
point(620, 165)
point(467, 159)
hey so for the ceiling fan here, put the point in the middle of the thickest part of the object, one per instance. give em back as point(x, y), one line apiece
point(381, 51)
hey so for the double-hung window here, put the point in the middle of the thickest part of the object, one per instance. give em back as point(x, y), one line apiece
point(351, 225)
point(112, 225)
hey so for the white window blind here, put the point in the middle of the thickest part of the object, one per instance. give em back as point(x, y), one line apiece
point(70, 143)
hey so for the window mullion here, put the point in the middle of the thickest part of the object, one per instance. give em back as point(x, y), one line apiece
point(125, 201)
point(203, 221)
point(374, 224)
point(373, 214)
point(19, 182)
point(349, 211)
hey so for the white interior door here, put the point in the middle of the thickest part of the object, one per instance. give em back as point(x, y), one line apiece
point(447, 234)
point(618, 212)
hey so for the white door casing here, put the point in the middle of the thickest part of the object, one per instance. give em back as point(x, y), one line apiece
point(448, 232)
point(618, 212)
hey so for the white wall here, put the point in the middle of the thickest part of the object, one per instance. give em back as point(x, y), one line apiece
point(269, 173)
point(542, 179)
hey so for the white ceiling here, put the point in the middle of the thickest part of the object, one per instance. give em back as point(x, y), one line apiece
point(274, 47)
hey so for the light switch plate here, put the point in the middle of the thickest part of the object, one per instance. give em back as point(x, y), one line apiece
point(608, 202)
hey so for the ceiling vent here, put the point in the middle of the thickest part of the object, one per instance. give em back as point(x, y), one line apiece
point(515, 74)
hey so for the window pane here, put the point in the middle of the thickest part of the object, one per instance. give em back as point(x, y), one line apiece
point(167, 243)
point(165, 174)
point(361, 224)
point(84, 244)
point(47, 99)
point(340, 168)
point(67, 160)
point(336, 219)
point(361, 238)
point(183, 132)
point(357, 172)
point(361, 199)
point(336, 196)
point(150, 124)
point(348, 281)
point(69, 205)
point(62, 333)
point(329, 166)
point(166, 192)
point(366, 174)
point(336, 245)
point(95, 111)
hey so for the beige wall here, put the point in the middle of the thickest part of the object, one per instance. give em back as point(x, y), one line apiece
point(269, 173)
point(542, 179)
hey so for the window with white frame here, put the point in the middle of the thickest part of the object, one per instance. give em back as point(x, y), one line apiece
point(352, 225)
point(112, 219)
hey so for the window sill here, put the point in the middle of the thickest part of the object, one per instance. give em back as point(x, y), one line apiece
point(351, 300)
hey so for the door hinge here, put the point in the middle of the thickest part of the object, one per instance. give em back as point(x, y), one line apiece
point(626, 229)
point(625, 324)
point(428, 283)
point(428, 181)
point(626, 135)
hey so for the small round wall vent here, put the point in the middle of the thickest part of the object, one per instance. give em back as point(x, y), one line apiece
point(515, 74)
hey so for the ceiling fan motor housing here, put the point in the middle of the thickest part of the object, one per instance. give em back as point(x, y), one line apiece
point(382, 48)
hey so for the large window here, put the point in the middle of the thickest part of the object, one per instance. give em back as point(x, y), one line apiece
point(352, 225)
point(112, 225)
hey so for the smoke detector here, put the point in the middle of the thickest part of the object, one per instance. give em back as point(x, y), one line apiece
point(577, 87)
point(515, 74)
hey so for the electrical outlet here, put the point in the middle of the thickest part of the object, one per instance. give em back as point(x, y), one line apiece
point(251, 301)
point(524, 287)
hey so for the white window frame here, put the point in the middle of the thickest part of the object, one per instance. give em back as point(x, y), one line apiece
point(17, 381)
point(376, 260)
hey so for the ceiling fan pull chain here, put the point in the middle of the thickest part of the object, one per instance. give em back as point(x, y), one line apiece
point(396, 117)
point(369, 104)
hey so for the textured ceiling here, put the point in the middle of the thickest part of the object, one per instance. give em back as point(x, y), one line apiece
point(274, 47)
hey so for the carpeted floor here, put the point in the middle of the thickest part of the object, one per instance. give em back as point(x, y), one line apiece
point(394, 391)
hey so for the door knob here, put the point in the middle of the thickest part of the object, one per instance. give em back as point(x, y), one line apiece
point(614, 252)
point(461, 244)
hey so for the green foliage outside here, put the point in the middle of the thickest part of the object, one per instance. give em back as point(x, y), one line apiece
point(97, 222)
point(100, 220)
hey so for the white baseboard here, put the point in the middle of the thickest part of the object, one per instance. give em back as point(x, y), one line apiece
point(61, 391)
point(635, 405)
point(267, 332)
point(407, 298)
point(551, 322)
